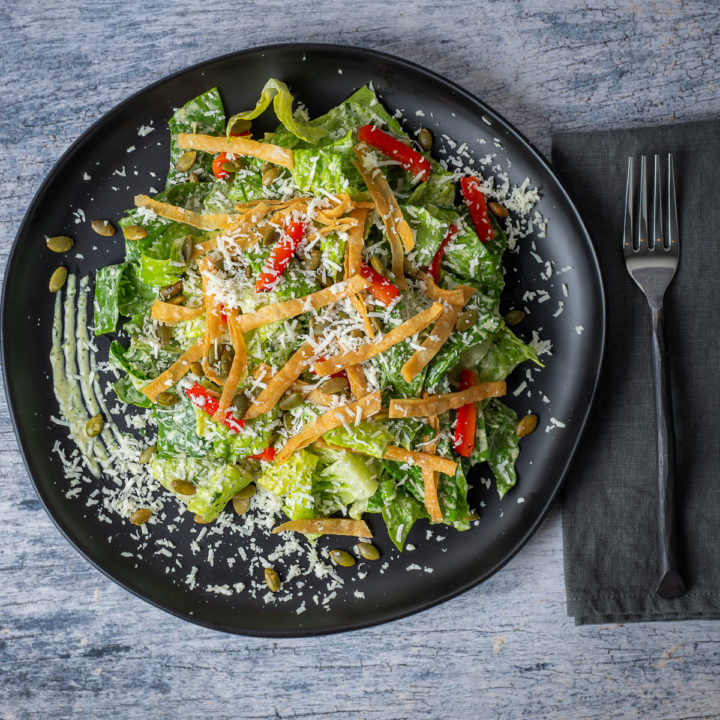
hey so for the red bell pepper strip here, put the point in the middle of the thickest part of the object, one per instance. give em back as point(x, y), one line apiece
point(393, 148)
point(268, 454)
point(466, 416)
point(380, 287)
point(217, 166)
point(208, 403)
point(434, 267)
point(477, 205)
point(280, 256)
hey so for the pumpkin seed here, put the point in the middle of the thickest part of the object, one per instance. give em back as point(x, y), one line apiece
point(186, 161)
point(226, 360)
point(357, 333)
point(323, 278)
point(196, 369)
point(177, 300)
point(272, 579)
point(57, 279)
point(140, 516)
point(288, 402)
point(248, 272)
point(187, 248)
point(164, 333)
point(211, 386)
point(212, 354)
point(425, 139)
point(170, 291)
point(466, 320)
point(378, 266)
point(94, 426)
point(367, 550)
point(515, 317)
point(200, 520)
point(233, 166)
point(342, 558)
point(183, 487)
point(270, 175)
point(410, 269)
point(167, 399)
point(312, 260)
point(103, 227)
point(334, 385)
point(194, 177)
point(288, 421)
point(270, 235)
point(247, 492)
point(240, 505)
point(134, 232)
point(147, 454)
point(526, 425)
point(240, 404)
point(498, 210)
point(59, 243)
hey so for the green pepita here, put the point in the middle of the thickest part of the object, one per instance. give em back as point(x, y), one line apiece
point(167, 399)
point(240, 505)
point(186, 161)
point(425, 139)
point(177, 300)
point(526, 425)
point(288, 421)
point(103, 227)
point(134, 233)
point(288, 402)
point(226, 360)
point(94, 426)
point(498, 210)
point(57, 279)
point(140, 516)
point(272, 579)
point(233, 166)
point(147, 454)
point(196, 369)
point(367, 550)
point(378, 265)
point(60, 243)
point(164, 333)
point(270, 175)
point(312, 260)
point(270, 235)
point(170, 291)
point(466, 320)
point(514, 317)
point(240, 404)
point(342, 558)
point(334, 385)
point(183, 487)
point(410, 269)
point(187, 248)
point(247, 492)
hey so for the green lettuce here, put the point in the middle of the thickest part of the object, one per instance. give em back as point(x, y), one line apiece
point(368, 437)
point(500, 421)
point(293, 481)
point(351, 480)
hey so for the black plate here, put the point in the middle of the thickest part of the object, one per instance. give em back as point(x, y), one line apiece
point(321, 76)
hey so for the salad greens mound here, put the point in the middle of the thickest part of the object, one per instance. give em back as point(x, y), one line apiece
point(247, 388)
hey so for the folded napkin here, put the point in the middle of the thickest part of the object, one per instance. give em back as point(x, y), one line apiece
point(610, 496)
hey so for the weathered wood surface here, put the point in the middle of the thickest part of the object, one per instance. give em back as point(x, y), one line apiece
point(72, 644)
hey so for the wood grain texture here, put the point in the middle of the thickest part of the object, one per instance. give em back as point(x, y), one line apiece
point(73, 644)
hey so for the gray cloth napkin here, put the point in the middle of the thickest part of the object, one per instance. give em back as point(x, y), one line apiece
point(610, 496)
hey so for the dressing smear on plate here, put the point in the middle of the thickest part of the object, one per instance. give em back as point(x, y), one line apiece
point(306, 347)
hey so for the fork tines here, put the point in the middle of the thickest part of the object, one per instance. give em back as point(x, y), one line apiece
point(664, 234)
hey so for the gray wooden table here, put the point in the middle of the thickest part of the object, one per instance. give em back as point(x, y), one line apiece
point(73, 644)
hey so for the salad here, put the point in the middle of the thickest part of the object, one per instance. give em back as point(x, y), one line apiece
point(315, 312)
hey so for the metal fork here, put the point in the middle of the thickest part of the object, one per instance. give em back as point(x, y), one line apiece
point(651, 260)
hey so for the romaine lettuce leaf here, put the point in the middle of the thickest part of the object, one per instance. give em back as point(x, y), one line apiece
point(293, 481)
point(503, 355)
point(177, 433)
point(349, 481)
point(503, 449)
point(329, 168)
point(368, 437)
point(231, 446)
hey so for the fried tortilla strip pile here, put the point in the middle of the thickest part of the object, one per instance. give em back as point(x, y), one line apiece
point(437, 404)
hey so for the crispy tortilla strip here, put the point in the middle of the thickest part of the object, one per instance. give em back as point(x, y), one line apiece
point(238, 369)
point(369, 350)
point(437, 404)
point(326, 526)
point(436, 337)
point(261, 371)
point(421, 459)
point(298, 306)
point(176, 371)
point(173, 212)
point(204, 248)
point(354, 248)
point(358, 383)
point(313, 395)
point(347, 414)
point(281, 381)
point(170, 314)
point(431, 478)
point(457, 296)
point(212, 321)
point(238, 145)
point(380, 190)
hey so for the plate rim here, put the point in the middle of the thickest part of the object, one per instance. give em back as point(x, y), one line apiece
point(452, 86)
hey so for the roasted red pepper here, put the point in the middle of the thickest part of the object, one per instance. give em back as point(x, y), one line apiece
point(466, 416)
point(217, 166)
point(477, 205)
point(268, 454)
point(208, 403)
point(393, 148)
point(434, 267)
point(280, 256)
point(380, 287)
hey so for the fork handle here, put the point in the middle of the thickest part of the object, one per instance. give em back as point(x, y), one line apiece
point(670, 583)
